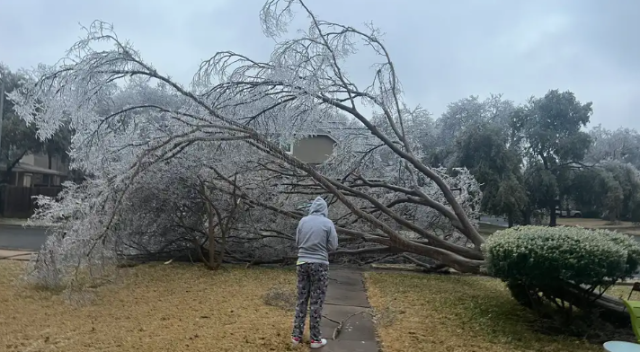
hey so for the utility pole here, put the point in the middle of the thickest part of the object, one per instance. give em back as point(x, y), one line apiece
point(1, 107)
point(1, 119)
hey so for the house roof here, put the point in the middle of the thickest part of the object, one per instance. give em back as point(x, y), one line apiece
point(317, 132)
point(322, 132)
point(21, 167)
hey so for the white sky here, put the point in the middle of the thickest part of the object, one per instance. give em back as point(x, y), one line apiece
point(444, 51)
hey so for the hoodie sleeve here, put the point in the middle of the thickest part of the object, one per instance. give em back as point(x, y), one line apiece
point(298, 236)
point(332, 243)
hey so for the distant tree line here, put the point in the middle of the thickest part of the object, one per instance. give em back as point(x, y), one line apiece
point(538, 157)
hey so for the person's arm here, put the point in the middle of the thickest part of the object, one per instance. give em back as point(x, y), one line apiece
point(298, 236)
point(333, 239)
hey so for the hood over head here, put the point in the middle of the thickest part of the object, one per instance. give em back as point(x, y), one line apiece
point(319, 206)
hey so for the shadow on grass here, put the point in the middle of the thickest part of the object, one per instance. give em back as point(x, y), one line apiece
point(483, 310)
point(503, 318)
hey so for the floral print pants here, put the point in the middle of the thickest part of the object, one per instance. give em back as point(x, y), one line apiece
point(312, 289)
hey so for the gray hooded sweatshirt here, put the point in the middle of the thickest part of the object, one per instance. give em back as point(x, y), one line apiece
point(316, 235)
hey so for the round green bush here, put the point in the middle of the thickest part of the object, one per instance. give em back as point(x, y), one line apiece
point(538, 256)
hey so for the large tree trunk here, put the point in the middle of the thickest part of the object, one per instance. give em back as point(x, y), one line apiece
point(211, 231)
point(450, 259)
point(7, 174)
point(6, 177)
point(606, 307)
point(552, 214)
point(526, 217)
point(612, 308)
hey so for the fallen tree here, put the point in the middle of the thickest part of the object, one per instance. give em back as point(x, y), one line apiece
point(228, 135)
point(202, 168)
point(174, 211)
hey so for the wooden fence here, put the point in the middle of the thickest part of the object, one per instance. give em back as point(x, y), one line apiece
point(18, 202)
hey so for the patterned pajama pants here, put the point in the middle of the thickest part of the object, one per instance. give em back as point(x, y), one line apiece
point(312, 289)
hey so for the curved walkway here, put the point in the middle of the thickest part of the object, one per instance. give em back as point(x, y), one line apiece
point(347, 302)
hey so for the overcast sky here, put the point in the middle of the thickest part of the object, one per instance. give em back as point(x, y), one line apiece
point(443, 50)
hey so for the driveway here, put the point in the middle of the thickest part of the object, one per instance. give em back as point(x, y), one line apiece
point(18, 237)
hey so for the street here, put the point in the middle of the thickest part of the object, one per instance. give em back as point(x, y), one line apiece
point(18, 237)
point(493, 220)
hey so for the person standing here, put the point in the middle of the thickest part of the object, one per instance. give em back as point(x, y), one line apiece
point(315, 237)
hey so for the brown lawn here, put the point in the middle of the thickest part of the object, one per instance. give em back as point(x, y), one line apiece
point(156, 308)
point(439, 313)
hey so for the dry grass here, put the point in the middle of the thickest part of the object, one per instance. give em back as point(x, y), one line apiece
point(455, 314)
point(623, 226)
point(156, 308)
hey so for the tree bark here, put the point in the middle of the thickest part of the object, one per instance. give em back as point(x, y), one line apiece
point(211, 227)
point(211, 231)
point(613, 309)
point(526, 217)
point(10, 166)
point(552, 214)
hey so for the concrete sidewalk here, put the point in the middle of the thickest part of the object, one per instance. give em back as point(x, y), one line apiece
point(347, 298)
point(22, 223)
point(15, 255)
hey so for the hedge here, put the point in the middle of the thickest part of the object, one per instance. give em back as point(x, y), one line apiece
point(538, 256)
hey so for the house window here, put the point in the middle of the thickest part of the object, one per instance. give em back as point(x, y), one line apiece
point(287, 146)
